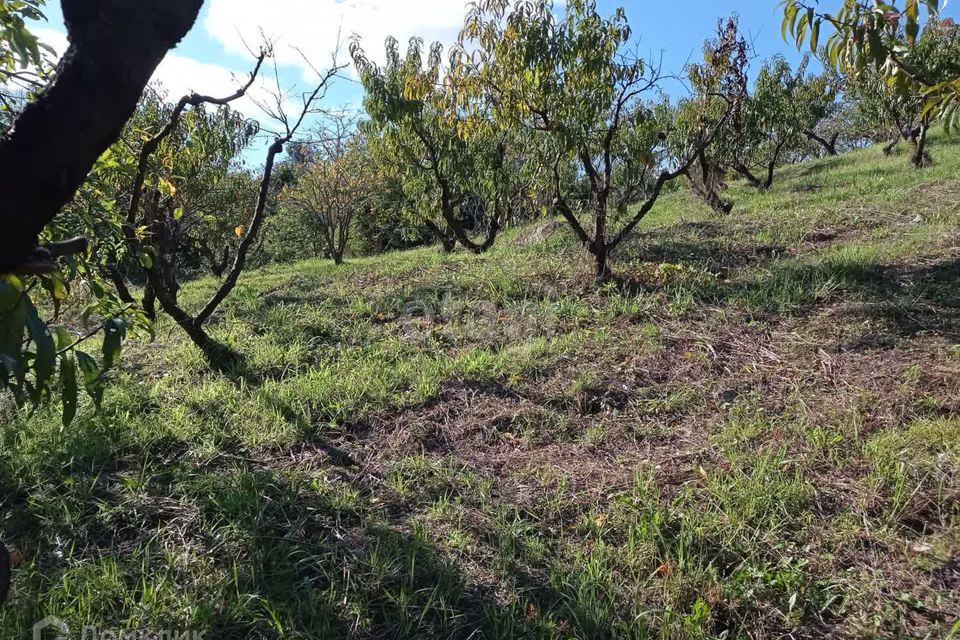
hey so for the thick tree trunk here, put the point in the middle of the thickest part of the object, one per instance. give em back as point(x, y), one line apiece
point(115, 47)
point(448, 241)
point(601, 261)
point(710, 197)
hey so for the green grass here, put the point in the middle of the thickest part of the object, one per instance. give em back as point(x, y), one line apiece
point(754, 434)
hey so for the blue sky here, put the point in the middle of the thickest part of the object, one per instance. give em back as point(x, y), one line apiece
point(215, 51)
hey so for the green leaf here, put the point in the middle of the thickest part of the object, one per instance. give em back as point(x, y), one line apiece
point(62, 338)
point(15, 282)
point(802, 23)
point(789, 16)
point(92, 377)
point(46, 359)
point(68, 389)
point(56, 287)
point(13, 318)
point(114, 331)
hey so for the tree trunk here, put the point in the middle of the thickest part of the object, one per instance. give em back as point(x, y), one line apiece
point(829, 146)
point(256, 221)
point(113, 274)
point(744, 171)
point(888, 149)
point(219, 356)
point(601, 260)
point(769, 180)
point(772, 165)
point(455, 228)
point(913, 134)
point(448, 241)
point(705, 179)
point(601, 252)
point(477, 248)
point(149, 302)
point(115, 47)
point(711, 198)
point(920, 157)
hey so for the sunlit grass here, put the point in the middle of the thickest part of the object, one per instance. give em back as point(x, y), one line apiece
point(751, 434)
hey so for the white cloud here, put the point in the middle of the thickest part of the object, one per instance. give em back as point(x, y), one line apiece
point(57, 40)
point(179, 75)
point(314, 26)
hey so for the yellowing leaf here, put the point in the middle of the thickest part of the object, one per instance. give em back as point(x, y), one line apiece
point(167, 187)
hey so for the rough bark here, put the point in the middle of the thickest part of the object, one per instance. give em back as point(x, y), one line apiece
point(115, 47)
point(710, 197)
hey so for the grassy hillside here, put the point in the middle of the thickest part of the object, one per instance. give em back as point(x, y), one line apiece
point(755, 434)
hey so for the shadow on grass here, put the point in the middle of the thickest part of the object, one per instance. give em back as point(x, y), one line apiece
point(909, 298)
point(325, 570)
point(289, 558)
point(827, 165)
point(713, 256)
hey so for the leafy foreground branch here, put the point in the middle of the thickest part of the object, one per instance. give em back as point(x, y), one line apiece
point(896, 43)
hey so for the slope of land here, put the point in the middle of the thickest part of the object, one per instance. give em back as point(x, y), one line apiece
point(756, 433)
